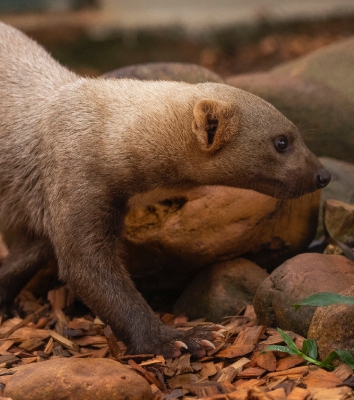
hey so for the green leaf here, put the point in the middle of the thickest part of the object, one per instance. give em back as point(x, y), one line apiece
point(327, 362)
point(287, 339)
point(343, 355)
point(309, 347)
point(346, 356)
point(324, 299)
point(278, 347)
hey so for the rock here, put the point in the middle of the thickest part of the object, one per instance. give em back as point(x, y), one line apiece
point(168, 71)
point(339, 220)
point(331, 65)
point(75, 378)
point(341, 186)
point(297, 278)
point(323, 114)
point(220, 290)
point(332, 327)
point(169, 242)
point(342, 182)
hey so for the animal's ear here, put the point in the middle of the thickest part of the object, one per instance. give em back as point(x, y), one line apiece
point(214, 123)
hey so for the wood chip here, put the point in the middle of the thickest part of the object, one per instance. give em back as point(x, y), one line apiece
point(184, 364)
point(238, 395)
point(5, 345)
point(291, 371)
point(340, 393)
point(321, 379)
point(158, 360)
point(31, 344)
point(42, 322)
point(275, 338)
point(176, 394)
point(80, 323)
point(146, 374)
point(278, 394)
point(208, 369)
point(236, 350)
point(90, 340)
point(29, 360)
point(274, 384)
point(252, 372)
point(9, 359)
point(22, 334)
point(343, 372)
point(20, 324)
point(9, 323)
point(60, 298)
point(250, 335)
point(112, 342)
point(180, 381)
point(64, 342)
point(258, 394)
point(205, 389)
point(289, 362)
point(249, 383)
point(267, 361)
point(49, 347)
point(229, 373)
point(298, 393)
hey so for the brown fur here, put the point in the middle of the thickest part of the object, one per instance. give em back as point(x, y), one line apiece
point(75, 153)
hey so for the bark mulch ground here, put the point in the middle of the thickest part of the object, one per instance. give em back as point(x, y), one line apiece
point(236, 369)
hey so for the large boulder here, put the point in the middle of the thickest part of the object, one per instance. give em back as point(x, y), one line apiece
point(221, 289)
point(167, 71)
point(75, 378)
point(332, 65)
point(297, 278)
point(167, 243)
point(323, 114)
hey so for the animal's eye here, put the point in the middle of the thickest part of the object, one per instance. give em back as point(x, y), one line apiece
point(281, 144)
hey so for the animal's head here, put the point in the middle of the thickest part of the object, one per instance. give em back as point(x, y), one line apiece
point(244, 141)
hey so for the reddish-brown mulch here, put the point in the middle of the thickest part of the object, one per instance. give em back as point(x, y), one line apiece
point(236, 369)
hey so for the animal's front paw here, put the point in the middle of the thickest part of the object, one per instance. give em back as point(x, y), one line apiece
point(196, 341)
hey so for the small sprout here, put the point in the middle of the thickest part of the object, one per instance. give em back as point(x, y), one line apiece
point(309, 352)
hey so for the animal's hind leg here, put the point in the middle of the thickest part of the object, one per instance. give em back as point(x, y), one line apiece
point(26, 256)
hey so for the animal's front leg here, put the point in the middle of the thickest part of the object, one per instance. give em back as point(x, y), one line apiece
point(93, 268)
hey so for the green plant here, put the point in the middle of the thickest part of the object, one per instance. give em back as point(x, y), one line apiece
point(309, 352)
point(324, 299)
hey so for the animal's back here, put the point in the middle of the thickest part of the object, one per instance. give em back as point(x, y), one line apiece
point(29, 76)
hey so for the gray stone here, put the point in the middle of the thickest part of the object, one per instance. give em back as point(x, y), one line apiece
point(341, 186)
point(168, 71)
point(332, 65)
point(323, 114)
point(220, 290)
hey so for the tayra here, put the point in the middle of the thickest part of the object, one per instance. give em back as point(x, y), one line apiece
point(76, 153)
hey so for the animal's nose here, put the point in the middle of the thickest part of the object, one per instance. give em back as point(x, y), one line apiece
point(323, 178)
